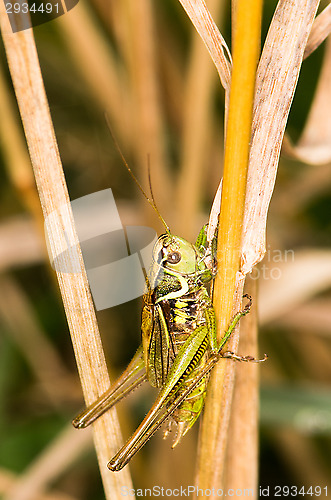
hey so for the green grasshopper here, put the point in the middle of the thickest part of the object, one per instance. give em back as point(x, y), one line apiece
point(179, 343)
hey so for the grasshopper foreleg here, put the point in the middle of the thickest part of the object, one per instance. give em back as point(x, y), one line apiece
point(230, 354)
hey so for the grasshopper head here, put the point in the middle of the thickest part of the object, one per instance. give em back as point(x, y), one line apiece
point(178, 255)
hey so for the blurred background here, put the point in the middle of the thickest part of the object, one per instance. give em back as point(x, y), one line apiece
point(141, 64)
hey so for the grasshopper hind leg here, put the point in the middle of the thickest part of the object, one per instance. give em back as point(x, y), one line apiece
point(132, 377)
point(190, 409)
point(188, 412)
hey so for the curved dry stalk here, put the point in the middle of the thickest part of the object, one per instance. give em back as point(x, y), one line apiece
point(205, 25)
point(314, 145)
point(320, 30)
point(31, 97)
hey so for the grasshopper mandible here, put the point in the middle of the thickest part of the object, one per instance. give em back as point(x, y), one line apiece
point(179, 343)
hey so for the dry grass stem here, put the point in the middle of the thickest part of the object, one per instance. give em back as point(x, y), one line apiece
point(314, 145)
point(320, 30)
point(119, 28)
point(242, 450)
point(217, 410)
point(31, 97)
point(67, 447)
point(203, 22)
point(288, 36)
point(277, 77)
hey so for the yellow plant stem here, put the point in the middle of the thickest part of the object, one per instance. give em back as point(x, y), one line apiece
point(245, 55)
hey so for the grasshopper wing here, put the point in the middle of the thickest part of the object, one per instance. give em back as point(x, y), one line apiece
point(157, 344)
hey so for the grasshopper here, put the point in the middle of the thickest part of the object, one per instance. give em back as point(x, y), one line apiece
point(179, 344)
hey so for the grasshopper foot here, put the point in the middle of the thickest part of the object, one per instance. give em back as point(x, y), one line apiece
point(236, 357)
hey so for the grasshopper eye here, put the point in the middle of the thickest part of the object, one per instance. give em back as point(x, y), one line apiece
point(174, 257)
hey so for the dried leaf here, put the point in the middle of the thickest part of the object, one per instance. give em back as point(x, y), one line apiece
point(276, 81)
point(210, 34)
point(314, 146)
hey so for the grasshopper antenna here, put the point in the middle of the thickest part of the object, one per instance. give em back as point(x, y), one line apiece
point(150, 179)
point(150, 201)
